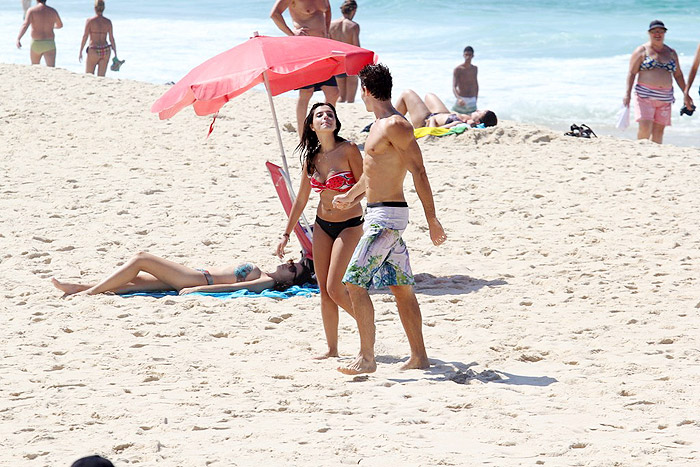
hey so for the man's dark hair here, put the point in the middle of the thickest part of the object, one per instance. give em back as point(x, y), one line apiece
point(489, 119)
point(469, 48)
point(377, 80)
point(41, 1)
point(348, 7)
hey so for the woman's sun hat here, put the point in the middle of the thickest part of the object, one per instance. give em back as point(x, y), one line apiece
point(657, 24)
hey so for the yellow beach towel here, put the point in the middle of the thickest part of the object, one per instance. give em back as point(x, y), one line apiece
point(427, 130)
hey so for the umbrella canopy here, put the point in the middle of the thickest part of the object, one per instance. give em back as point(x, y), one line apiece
point(289, 62)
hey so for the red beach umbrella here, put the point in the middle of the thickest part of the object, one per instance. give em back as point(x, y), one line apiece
point(281, 63)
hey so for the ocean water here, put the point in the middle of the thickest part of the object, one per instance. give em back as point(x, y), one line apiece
point(545, 62)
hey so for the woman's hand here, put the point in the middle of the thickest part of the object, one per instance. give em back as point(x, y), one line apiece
point(626, 101)
point(281, 245)
point(188, 290)
point(688, 101)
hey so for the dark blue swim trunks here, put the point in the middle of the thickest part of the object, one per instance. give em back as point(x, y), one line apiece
point(317, 87)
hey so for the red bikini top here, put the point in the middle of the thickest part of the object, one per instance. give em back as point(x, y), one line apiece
point(339, 181)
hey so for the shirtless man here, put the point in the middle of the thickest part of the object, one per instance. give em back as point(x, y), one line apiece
point(310, 18)
point(348, 31)
point(381, 257)
point(464, 84)
point(98, 28)
point(43, 20)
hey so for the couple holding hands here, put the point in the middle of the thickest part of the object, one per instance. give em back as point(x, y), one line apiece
point(351, 253)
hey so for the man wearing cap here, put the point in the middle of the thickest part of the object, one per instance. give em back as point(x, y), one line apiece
point(655, 65)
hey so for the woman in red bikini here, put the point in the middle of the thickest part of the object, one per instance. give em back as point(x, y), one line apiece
point(331, 165)
point(654, 65)
point(99, 50)
point(146, 272)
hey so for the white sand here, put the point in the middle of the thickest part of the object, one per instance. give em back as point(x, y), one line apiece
point(570, 274)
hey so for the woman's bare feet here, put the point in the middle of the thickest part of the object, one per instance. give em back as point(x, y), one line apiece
point(67, 287)
point(359, 366)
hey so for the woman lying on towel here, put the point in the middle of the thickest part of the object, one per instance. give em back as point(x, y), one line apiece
point(146, 272)
point(432, 112)
point(331, 165)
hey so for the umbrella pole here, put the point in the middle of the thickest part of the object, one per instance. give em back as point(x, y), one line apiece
point(279, 135)
point(285, 172)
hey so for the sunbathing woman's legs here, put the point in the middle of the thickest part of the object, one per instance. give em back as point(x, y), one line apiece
point(435, 105)
point(411, 103)
point(142, 283)
point(167, 274)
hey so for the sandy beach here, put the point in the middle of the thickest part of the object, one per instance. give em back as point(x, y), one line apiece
point(560, 317)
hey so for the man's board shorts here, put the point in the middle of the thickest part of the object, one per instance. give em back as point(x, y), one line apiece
point(43, 46)
point(468, 107)
point(381, 257)
point(653, 104)
point(317, 87)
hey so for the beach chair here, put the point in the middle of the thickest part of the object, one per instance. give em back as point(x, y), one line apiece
point(302, 230)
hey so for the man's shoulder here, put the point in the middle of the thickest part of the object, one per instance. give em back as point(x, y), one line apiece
point(397, 126)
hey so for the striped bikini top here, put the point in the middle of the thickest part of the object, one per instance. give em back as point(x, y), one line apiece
point(650, 63)
point(339, 181)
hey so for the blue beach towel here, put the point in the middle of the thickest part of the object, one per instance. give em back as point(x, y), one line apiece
point(294, 291)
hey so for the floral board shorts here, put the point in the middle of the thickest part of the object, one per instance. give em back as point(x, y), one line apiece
point(381, 257)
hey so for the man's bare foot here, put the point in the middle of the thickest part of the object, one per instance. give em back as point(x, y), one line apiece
point(417, 363)
point(67, 287)
point(359, 366)
point(329, 354)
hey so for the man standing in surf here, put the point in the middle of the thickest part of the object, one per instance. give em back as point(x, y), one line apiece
point(310, 18)
point(43, 20)
point(381, 257)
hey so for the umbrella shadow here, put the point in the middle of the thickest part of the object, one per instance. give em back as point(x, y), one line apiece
point(462, 373)
point(428, 284)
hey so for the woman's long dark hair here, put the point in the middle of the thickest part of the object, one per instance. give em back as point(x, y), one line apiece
point(304, 276)
point(309, 146)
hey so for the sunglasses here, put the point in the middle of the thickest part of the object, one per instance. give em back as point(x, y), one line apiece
point(292, 268)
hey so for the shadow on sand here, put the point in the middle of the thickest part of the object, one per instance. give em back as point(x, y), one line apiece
point(427, 284)
point(462, 373)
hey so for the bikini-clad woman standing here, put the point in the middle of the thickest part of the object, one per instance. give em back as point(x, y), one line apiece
point(331, 165)
point(655, 65)
point(98, 28)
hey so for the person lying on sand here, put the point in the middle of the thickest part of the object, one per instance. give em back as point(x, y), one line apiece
point(147, 272)
point(432, 112)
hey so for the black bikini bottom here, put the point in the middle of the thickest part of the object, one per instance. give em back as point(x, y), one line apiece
point(333, 229)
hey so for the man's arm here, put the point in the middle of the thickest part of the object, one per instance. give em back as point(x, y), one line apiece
point(58, 24)
point(454, 86)
point(400, 135)
point(352, 196)
point(356, 35)
point(476, 82)
point(23, 29)
point(278, 19)
point(691, 77)
point(327, 15)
